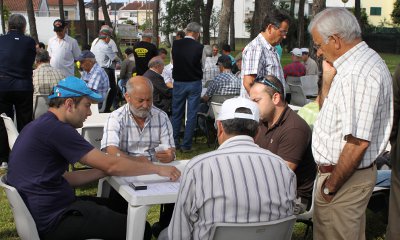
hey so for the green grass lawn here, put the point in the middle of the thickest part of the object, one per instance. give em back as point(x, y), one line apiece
point(375, 225)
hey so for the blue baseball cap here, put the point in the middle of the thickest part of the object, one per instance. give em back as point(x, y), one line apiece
point(74, 87)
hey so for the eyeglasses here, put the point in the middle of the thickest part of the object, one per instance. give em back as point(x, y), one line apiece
point(282, 31)
point(268, 83)
point(318, 46)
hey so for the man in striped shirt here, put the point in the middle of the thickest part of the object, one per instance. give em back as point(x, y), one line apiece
point(238, 183)
point(260, 57)
point(353, 126)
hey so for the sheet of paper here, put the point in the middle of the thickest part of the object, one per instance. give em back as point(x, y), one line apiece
point(160, 188)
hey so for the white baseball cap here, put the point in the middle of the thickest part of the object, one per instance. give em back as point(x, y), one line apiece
point(305, 50)
point(296, 52)
point(229, 107)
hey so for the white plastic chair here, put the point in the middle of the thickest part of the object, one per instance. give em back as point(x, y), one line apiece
point(293, 80)
point(12, 132)
point(216, 108)
point(24, 222)
point(306, 217)
point(298, 98)
point(94, 108)
point(93, 134)
point(41, 105)
point(309, 84)
point(279, 229)
point(103, 105)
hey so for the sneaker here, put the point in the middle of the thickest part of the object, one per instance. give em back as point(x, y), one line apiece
point(4, 166)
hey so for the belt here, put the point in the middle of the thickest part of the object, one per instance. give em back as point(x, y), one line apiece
point(330, 168)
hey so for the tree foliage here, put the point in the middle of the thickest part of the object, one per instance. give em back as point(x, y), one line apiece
point(178, 14)
point(396, 12)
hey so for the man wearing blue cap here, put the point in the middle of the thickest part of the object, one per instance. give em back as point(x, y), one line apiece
point(39, 162)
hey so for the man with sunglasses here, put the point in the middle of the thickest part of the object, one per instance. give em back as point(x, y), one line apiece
point(285, 134)
point(353, 126)
point(260, 57)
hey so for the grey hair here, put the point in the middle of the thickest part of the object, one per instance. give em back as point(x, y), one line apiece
point(130, 87)
point(155, 62)
point(17, 22)
point(215, 46)
point(208, 50)
point(336, 21)
point(42, 56)
point(193, 27)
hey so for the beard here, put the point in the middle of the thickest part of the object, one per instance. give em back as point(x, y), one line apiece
point(140, 112)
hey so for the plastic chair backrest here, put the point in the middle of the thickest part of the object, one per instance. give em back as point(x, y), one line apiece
point(103, 105)
point(12, 132)
point(94, 108)
point(215, 107)
point(293, 80)
point(279, 229)
point(93, 134)
point(24, 222)
point(41, 105)
point(309, 84)
point(297, 95)
point(308, 214)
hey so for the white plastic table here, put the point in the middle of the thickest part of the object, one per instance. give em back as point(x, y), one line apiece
point(159, 191)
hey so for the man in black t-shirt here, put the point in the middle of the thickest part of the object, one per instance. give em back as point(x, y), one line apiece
point(143, 52)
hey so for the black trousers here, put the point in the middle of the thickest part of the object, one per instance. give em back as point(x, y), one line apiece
point(92, 217)
point(22, 101)
point(113, 88)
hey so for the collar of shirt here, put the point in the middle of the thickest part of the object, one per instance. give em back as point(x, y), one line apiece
point(43, 65)
point(190, 37)
point(282, 118)
point(339, 64)
point(229, 141)
point(265, 43)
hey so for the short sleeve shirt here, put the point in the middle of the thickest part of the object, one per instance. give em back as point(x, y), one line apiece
point(224, 84)
point(41, 155)
point(122, 131)
point(97, 79)
point(63, 52)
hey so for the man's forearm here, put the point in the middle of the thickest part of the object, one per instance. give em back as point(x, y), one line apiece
point(349, 160)
point(248, 81)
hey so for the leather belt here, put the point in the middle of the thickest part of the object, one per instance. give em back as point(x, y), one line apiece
point(330, 168)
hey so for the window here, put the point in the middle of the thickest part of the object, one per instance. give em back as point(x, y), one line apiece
point(66, 14)
point(375, 11)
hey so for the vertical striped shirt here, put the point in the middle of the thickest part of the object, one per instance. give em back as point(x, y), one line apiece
point(238, 183)
point(360, 103)
point(260, 58)
point(122, 131)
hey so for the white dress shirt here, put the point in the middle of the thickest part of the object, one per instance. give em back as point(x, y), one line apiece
point(63, 53)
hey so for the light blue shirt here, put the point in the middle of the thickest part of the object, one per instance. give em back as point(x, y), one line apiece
point(97, 79)
point(104, 54)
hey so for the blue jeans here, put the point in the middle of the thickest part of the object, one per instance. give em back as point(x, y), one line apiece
point(183, 92)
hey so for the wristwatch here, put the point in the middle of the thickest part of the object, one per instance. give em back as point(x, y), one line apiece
point(327, 192)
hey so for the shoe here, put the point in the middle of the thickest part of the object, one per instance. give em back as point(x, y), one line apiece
point(156, 229)
point(4, 166)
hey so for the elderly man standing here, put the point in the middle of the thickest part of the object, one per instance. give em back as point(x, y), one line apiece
point(215, 53)
point(260, 57)
point(210, 67)
point(237, 183)
point(105, 56)
point(280, 131)
point(187, 72)
point(46, 186)
point(143, 52)
point(353, 126)
point(296, 68)
point(63, 49)
point(45, 77)
point(95, 76)
point(309, 63)
point(162, 95)
point(16, 88)
point(140, 129)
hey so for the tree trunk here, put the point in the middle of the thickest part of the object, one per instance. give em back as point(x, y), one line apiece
point(292, 5)
point(3, 24)
point(206, 17)
point(96, 27)
point(300, 26)
point(261, 8)
point(232, 27)
point(196, 12)
point(224, 23)
point(61, 9)
point(318, 6)
point(357, 12)
point(156, 9)
point(108, 22)
point(32, 20)
point(82, 18)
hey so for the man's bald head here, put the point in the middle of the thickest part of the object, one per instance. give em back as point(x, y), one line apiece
point(139, 83)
